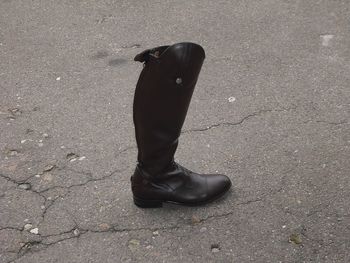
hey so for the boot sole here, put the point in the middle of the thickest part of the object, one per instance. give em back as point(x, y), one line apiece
point(147, 203)
point(144, 203)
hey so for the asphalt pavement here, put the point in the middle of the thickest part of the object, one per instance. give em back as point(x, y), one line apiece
point(271, 110)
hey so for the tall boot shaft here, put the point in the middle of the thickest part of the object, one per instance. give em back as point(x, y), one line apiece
point(162, 97)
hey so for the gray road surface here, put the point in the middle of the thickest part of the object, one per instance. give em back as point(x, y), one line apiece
point(271, 110)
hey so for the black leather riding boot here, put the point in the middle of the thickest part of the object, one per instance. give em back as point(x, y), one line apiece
point(162, 97)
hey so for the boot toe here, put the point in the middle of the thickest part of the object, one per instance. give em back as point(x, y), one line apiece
point(218, 184)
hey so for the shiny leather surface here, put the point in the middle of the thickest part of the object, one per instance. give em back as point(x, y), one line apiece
point(162, 97)
point(160, 104)
point(179, 185)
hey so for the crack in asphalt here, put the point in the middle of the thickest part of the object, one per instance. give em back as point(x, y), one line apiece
point(27, 246)
point(83, 183)
point(241, 121)
point(248, 202)
point(231, 212)
point(89, 174)
point(69, 191)
point(327, 122)
point(11, 228)
point(113, 229)
point(333, 123)
point(19, 183)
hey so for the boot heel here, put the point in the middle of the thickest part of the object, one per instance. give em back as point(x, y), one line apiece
point(147, 203)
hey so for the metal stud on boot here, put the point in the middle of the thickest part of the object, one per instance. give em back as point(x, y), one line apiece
point(162, 97)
